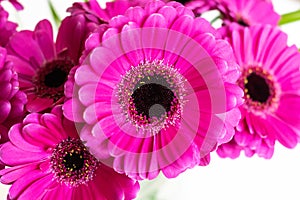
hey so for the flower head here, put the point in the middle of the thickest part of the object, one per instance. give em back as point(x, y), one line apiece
point(270, 80)
point(41, 65)
point(156, 91)
point(47, 160)
point(7, 28)
point(248, 13)
point(12, 100)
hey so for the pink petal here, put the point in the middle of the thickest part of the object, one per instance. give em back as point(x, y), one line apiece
point(40, 136)
point(24, 183)
point(26, 47)
point(284, 133)
point(5, 108)
point(135, 14)
point(19, 156)
point(16, 137)
point(45, 25)
point(85, 75)
point(288, 109)
point(73, 110)
point(169, 14)
point(37, 188)
point(39, 104)
point(46, 44)
point(10, 175)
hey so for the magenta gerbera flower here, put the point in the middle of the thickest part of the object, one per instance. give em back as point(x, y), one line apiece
point(43, 67)
point(270, 79)
point(157, 93)
point(11, 100)
point(47, 160)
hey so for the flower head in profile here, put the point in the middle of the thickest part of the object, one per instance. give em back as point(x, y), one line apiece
point(11, 100)
point(156, 91)
point(7, 28)
point(238, 12)
point(43, 66)
point(47, 160)
point(248, 13)
point(270, 80)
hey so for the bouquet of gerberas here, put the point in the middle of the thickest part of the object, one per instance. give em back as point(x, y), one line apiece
point(140, 88)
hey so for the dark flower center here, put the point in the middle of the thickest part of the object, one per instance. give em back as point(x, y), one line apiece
point(49, 80)
point(242, 22)
point(260, 88)
point(151, 95)
point(153, 98)
point(74, 161)
point(72, 164)
point(183, 1)
point(257, 88)
point(55, 78)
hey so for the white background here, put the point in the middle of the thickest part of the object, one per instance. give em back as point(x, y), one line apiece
point(226, 179)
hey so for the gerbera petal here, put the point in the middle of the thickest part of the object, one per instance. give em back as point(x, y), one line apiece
point(284, 133)
point(10, 175)
point(39, 104)
point(73, 110)
point(21, 66)
point(20, 156)
point(135, 14)
point(34, 190)
point(17, 138)
point(289, 106)
point(5, 108)
point(24, 183)
point(85, 75)
point(62, 192)
point(25, 47)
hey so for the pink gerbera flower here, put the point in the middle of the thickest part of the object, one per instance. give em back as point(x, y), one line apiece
point(42, 66)
point(47, 160)
point(248, 12)
point(270, 79)
point(156, 93)
point(11, 100)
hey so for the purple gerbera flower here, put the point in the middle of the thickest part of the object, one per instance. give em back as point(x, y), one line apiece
point(42, 66)
point(156, 92)
point(47, 160)
point(11, 100)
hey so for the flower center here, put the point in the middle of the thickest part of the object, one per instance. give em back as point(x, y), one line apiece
point(151, 96)
point(261, 92)
point(72, 164)
point(257, 88)
point(55, 78)
point(49, 80)
point(183, 1)
point(73, 161)
point(242, 22)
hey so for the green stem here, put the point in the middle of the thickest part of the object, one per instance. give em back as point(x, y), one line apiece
point(290, 17)
point(55, 16)
point(215, 19)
